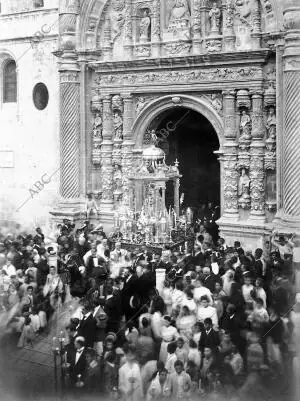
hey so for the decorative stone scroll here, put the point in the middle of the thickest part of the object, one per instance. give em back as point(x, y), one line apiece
point(230, 187)
point(257, 177)
point(197, 75)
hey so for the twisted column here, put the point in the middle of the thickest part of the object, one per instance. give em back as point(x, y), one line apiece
point(70, 134)
point(291, 105)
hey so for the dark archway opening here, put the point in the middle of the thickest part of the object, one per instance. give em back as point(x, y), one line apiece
point(190, 138)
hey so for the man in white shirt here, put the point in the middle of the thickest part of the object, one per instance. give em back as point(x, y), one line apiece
point(201, 291)
point(9, 268)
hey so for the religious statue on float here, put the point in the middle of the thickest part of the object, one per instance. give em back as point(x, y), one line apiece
point(145, 27)
point(244, 189)
point(215, 17)
point(179, 15)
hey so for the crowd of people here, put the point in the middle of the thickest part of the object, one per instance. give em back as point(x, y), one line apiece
point(222, 324)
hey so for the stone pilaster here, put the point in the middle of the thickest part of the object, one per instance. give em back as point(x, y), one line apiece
point(291, 106)
point(257, 168)
point(106, 159)
point(256, 26)
point(229, 114)
point(155, 29)
point(127, 146)
point(128, 45)
point(228, 30)
point(196, 27)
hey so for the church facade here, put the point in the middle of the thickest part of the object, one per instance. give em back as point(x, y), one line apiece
point(123, 64)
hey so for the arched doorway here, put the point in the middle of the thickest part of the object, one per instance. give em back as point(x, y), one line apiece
point(188, 136)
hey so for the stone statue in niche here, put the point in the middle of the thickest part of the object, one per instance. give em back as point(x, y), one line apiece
point(271, 123)
point(215, 17)
point(97, 127)
point(118, 126)
point(179, 16)
point(145, 27)
point(245, 126)
point(140, 105)
point(117, 178)
point(244, 188)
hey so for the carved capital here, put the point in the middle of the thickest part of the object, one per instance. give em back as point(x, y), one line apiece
point(69, 77)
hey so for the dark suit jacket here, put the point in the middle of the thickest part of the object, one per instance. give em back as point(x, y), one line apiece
point(88, 329)
point(113, 309)
point(210, 282)
point(198, 259)
point(129, 289)
point(211, 340)
point(78, 368)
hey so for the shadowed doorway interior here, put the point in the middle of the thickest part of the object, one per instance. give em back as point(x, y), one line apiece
point(190, 138)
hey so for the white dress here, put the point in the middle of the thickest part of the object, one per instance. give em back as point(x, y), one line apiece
point(130, 382)
point(168, 335)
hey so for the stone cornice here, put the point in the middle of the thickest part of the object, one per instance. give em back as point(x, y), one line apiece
point(212, 60)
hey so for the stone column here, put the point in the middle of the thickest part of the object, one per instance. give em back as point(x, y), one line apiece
point(229, 159)
point(155, 29)
point(127, 146)
point(257, 168)
point(196, 27)
point(291, 106)
point(256, 20)
point(106, 204)
point(69, 132)
point(228, 31)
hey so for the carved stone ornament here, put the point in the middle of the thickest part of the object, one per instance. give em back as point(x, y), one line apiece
point(271, 124)
point(230, 185)
point(141, 103)
point(215, 18)
point(177, 48)
point(270, 155)
point(68, 76)
point(217, 74)
point(216, 102)
point(243, 99)
point(245, 127)
point(117, 103)
point(270, 96)
point(142, 51)
point(257, 183)
point(213, 45)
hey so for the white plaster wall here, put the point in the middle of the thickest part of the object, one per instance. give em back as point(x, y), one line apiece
point(30, 135)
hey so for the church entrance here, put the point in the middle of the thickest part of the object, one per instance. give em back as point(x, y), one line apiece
point(189, 137)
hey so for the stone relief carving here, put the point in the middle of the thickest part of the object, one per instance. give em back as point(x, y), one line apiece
point(142, 51)
point(257, 175)
point(117, 18)
point(213, 45)
point(117, 178)
point(244, 190)
point(217, 102)
point(215, 18)
point(178, 48)
point(270, 155)
point(230, 185)
point(179, 16)
point(217, 74)
point(141, 103)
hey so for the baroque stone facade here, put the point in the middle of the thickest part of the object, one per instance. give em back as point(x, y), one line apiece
point(135, 59)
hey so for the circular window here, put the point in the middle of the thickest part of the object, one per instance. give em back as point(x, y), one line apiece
point(40, 96)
